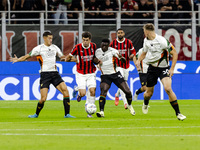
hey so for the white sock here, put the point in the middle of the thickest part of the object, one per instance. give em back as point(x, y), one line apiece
point(123, 97)
point(118, 92)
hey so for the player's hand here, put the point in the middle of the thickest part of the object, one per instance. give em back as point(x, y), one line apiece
point(13, 59)
point(171, 72)
point(138, 65)
point(62, 58)
point(123, 60)
point(100, 63)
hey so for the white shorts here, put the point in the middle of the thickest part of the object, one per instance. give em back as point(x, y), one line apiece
point(85, 80)
point(124, 72)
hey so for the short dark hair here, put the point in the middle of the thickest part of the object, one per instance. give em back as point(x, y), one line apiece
point(87, 35)
point(47, 33)
point(106, 41)
point(149, 27)
point(120, 29)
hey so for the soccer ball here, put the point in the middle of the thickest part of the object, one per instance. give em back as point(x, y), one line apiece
point(90, 108)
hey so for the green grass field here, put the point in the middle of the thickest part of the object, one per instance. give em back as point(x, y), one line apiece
point(158, 130)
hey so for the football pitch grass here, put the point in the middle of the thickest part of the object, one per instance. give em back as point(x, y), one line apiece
point(119, 130)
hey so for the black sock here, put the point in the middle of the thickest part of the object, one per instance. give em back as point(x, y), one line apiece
point(102, 102)
point(175, 106)
point(146, 101)
point(129, 99)
point(39, 108)
point(139, 91)
point(66, 103)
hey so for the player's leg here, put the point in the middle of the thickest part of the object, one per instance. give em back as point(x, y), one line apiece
point(66, 99)
point(41, 102)
point(81, 82)
point(91, 85)
point(75, 91)
point(143, 80)
point(147, 96)
point(166, 81)
point(106, 82)
point(125, 75)
point(45, 81)
point(152, 77)
point(124, 87)
point(118, 90)
point(104, 87)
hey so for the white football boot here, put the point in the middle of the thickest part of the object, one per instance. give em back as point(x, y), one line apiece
point(144, 108)
point(100, 114)
point(181, 117)
point(132, 111)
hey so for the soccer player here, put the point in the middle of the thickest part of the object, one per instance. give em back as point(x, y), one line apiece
point(46, 55)
point(142, 75)
point(157, 49)
point(126, 49)
point(85, 75)
point(109, 74)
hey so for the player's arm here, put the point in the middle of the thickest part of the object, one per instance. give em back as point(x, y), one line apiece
point(68, 58)
point(142, 56)
point(174, 60)
point(121, 58)
point(22, 58)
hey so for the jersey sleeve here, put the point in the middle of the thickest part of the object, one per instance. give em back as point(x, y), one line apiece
point(170, 47)
point(74, 51)
point(98, 53)
point(35, 51)
point(132, 49)
point(145, 49)
point(115, 52)
point(59, 53)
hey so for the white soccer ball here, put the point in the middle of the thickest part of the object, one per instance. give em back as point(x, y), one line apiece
point(90, 108)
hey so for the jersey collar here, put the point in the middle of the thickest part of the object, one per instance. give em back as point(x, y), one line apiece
point(120, 41)
point(85, 47)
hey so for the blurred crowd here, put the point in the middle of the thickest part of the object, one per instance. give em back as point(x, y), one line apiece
point(57, 15)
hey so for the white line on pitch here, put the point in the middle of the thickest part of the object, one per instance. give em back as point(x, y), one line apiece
point(98, 135)
point(122, 128)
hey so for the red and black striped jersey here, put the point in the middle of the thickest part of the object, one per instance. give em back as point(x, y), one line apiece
point(85, 57)
point(125, 48)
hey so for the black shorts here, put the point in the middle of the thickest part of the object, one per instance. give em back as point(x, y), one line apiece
point(154, 73)
point(46, 78)
point(143, 79)
point(116, 78)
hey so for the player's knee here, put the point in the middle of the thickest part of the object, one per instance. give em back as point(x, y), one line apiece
point(148, 94)
point(42, 100)
point(128, 92)
point(168, 90)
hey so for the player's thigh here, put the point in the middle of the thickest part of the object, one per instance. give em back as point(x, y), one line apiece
point(81, 81)
point(104, 88)
point(167, 82)
point(63, 89)
point(126, 74)
point(92, 91)
point(124, 87)
point(91, 80)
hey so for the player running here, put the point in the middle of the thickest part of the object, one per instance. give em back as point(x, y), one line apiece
point(126, 49)
point(109, 74)
point(85, 75)
point(157, 49)
point(142, 75)
point(46, 55)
